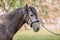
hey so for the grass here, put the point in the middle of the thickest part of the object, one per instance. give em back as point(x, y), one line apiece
point(31, 35)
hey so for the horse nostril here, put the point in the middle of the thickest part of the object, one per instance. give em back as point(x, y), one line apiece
point(37, 28)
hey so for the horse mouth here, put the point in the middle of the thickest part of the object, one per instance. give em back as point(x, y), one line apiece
point(36, 26)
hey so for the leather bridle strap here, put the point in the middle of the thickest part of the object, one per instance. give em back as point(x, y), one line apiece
point(34, 22)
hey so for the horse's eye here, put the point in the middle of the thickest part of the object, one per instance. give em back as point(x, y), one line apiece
point(31, 15)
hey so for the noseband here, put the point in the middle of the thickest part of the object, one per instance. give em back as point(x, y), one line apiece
point(34, 22)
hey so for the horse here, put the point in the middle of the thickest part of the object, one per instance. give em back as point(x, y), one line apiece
point(10, 23)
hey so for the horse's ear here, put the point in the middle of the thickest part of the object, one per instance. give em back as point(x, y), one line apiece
point(26, 6)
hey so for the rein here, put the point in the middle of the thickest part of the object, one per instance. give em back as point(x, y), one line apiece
point(49, 30)
point(22, 20)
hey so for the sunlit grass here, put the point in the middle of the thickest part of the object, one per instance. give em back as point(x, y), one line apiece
point(31, 35)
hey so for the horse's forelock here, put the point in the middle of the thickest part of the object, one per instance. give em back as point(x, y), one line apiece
point(34, 11)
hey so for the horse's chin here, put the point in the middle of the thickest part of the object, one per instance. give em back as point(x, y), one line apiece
point(36, 29)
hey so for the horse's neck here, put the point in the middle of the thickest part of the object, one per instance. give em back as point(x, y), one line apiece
point(15, 19)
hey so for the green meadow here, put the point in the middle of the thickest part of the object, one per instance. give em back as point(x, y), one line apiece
point(29, 34)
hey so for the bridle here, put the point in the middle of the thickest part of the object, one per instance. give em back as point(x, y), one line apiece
point(26, 15)
point(30, 18)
